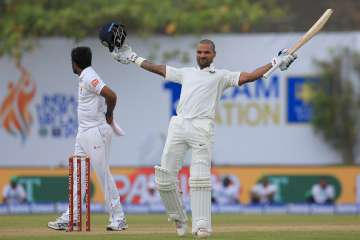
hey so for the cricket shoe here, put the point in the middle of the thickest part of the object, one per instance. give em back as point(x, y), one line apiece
point(202, 233)
point(117, 225)
point(59, 224)
point(181, 228)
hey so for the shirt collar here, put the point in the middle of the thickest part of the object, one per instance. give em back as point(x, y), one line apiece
point(84, 72)
point(210, 69)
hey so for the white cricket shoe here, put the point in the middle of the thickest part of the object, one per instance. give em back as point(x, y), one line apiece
point(59, 224)
point(202, 233)
point(181, 228)
point(117, 225)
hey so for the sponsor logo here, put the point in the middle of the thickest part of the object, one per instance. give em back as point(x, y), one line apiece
point(15, 116)
point(45, 189)
point(137, 187)
point(57, 116)
point(94, 82)
point(175, 91)
point(300, 91)
point(297, 188)
point(249, 105)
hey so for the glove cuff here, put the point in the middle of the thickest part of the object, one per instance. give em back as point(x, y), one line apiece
point(139, 60)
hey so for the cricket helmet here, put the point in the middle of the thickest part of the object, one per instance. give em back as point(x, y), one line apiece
point(112, 35)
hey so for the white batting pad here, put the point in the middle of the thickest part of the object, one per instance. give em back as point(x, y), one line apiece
point(166, 183)
point(200, 200)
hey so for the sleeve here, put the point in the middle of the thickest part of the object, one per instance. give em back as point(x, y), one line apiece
point(22, 192)
point(255, 189)
point(5, 191)
point(231, 79)
point(314, 191)
point(174, 74)
point(331, 192)
point(94, 84)
point(234, 191)
point(273, 189)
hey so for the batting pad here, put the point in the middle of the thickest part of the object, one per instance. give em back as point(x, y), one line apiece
point(200, 200)
point(166, 183)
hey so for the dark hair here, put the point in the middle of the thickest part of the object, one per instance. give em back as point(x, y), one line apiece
point(226, 181)
point(81, 56)
point(207, 41)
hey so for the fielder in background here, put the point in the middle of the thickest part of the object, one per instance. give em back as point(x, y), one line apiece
point(193, 127)
point(96, 103)
point(322, 193)
point(225, 192)
point(263, 192)
point(14, 193)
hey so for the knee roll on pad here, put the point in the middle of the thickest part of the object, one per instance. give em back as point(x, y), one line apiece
point(166, 183)
point(164, 180)
point(200, 182)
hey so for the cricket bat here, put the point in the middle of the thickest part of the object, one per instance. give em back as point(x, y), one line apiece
point(305, 38)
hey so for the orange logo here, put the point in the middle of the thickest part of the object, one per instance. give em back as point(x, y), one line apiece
point(94, 82)
point(14, 115)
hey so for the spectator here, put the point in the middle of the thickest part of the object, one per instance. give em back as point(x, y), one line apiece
point(322, 193)
point(14, 193)
point(226, 192)
point(263, 192)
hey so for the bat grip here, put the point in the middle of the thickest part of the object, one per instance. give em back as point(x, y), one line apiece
point(271, 70)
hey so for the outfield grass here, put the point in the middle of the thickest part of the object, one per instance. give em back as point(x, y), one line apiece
point(249, 227)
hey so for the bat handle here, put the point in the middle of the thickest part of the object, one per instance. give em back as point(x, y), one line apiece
point(271, 70)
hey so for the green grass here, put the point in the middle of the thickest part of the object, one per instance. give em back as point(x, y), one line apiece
point(249, 227)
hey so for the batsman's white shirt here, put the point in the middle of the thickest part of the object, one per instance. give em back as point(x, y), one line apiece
point(201, 89)
point(193, 129)
point(91, 106)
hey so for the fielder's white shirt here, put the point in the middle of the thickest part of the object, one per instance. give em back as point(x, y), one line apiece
point(228, 195)
point(320, 194)
point(201, 89)
point(91, 106)
point(264, 191)
point(14, 196)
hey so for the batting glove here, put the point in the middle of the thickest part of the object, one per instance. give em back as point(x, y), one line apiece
point(124, 55)
point(284, 59)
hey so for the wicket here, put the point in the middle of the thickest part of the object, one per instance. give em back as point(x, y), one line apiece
point(78, 192)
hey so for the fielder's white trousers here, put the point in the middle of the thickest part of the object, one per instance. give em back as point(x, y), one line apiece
point(95, 143)
point(196, 135)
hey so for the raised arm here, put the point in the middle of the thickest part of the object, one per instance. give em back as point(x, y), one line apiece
point(246, 77)
point(125, 55)
point(154, 68)
point(283, 58)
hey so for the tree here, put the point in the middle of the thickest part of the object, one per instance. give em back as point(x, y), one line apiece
point(22, 22)
point(336, 102)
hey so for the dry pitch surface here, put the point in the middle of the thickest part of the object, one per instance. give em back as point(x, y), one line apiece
point(249, 227)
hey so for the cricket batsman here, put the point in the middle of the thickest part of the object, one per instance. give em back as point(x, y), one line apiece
point(96, 103)
point(193, 127)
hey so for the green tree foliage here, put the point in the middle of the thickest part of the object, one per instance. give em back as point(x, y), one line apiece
point(336, 102)
point(24, 21)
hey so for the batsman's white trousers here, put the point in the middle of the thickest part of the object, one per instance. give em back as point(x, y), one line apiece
point(95, 143)
point(197, 135)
